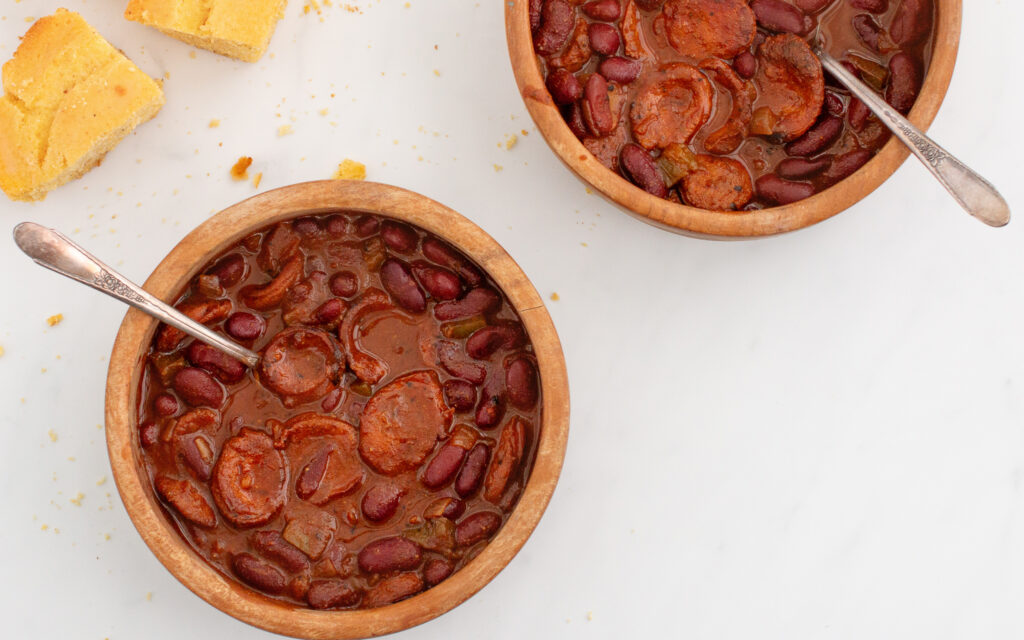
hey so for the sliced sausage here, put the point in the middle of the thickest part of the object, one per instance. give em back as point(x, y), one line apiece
point(300, 365)
point(702, 28)
point(718, 184)
point(249, 479)
point(791, 85)
point(508, 455)
point(186, 500)
point(673, 104)
point(728, 137)
point(323, 455)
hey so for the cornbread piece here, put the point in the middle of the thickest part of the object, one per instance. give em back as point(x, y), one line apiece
point(236, 28)
point(69, 98)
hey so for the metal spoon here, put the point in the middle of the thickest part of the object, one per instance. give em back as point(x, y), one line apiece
point(975, 194)
point(56, 252)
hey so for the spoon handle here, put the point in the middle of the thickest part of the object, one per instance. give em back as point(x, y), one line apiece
point(56, 252)
point(975, 194)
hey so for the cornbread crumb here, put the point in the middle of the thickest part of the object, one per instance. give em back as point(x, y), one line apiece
point(149, 596)
point(498, 167)
point(53, 321)
point(70, 98)
point(257, 179)
point(214, 123)
point(437, 73)
point(102, 481)
point(1, 350)
point(284, 130)
point(350, 170)
point(77, 500)
point(323, 111)
point(235, 28)
point(554, 297)
point(52, 434)
point(44, 527)
point(240, 171)
point(510, 141)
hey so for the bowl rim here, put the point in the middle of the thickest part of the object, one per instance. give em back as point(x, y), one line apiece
point(700, 223)
point(184, 261)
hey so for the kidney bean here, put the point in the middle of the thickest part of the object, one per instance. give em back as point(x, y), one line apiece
point(774, 189)
point(243, 325)
point(272, 546)
point(393, 589)
point(868, 30)
point(399, 237)
point(258, 573)
point(396, 278)
point(451, 508)
point(846, 164)
point(336, 224)
point(491, 407)
point(229, 270)
point(858, 114)
point(472, 474)
point(604, 38)
point(436, 570)
point(344, 284)
point(198, 455)
point(476, 527)
point(874, 6)
point(439, 282)
point(521, 383)
point(330, 311)
point(905, 80)
point(198, 388)
point(620, 69)
point(597, 110)
point(834, 104)
point(443, 467)
point(745, 64)
point(776, 15)
point(607, 10)
point(478, 301)
point(573, 115)
point(912, 22)
point(224, 367)
point(331, 594)
point(149, 433)
point(366, 226)
point(165, 404)
point(448, 356)
point(800, 168)
point(306, 225)
point(440, 253)
point(564, 86)
point(381, 501)
point(312, 475)
point(389, 554)
point(817, 139)
point(642, 169)
point(484, 342)
point(535, 6)
point(556, 22)
point(459, 395)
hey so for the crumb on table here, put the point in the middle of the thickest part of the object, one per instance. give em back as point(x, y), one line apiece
point(214, 123)
point(350, 170)
point(284, 130)
point(257, 179)
point(240, 171)
point(554, 296)
point(53, 321)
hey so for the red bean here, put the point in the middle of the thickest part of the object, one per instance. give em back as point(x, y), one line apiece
point(607, 10)
point(436, 570)
point(336, 224)
point(306, 226)
point(459, 395)
point(393, 589)
point(331, 594)
point(868, 30)
point(440, 253)
point(443, 467)
point(479, 301)
point(620, 69)
point(905, 80)
point(366, 226)
point(381, 501)
point(774, 189)
point(597, 110)
point(245, 326)
point(604, 38)
point(272, 546)
point(846, 164)
point(224, 367)
point(448, 356)
point(344, 284)
point(800, 168)
point(573, 115)
point(329, 311)
point(912, 22)
point(229, 270)
point(564, 86)
point(312, 475)
point(398, 281)
point(556, 23)
point(440, 283)
point(472, 473)
point(200, 463)
point(149, 433)
point(834, 104)
point(389, 554)
point(258, 573)
point(745, 64)
point(484, 342)
point(198, 388)
point(476, 527)
point(491, 407)
point(398, 236)
point(165, 404)
point(454, 509)
point(874, 6)
point(817, 139)
point(521, 383)
point(642, 169)
point(776, 15)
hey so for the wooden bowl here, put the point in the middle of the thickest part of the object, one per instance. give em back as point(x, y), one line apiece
point(721, 225)
point(169, 279)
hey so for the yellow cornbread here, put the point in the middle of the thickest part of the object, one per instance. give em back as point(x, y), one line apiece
point(69, 98)
point(236, 28)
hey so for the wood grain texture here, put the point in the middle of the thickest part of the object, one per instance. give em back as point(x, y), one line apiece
point(170, 277)
point(720, 225)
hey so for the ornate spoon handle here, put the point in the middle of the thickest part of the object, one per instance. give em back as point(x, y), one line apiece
point(975, 194)
point(56, 252)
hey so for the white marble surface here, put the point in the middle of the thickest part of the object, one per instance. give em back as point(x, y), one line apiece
point(814, 436)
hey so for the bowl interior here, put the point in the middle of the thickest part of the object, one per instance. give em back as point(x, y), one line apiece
point(224, 230)
point(717, 224)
